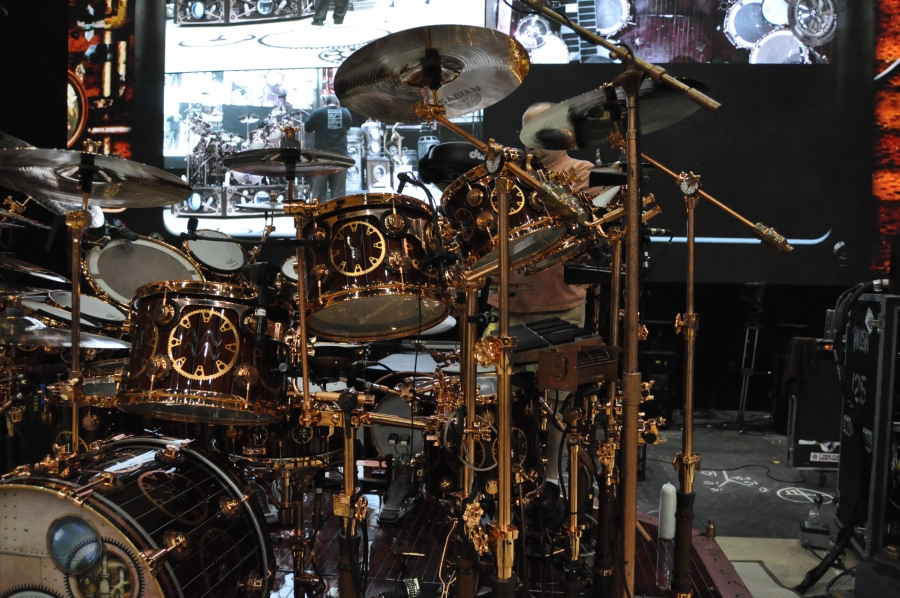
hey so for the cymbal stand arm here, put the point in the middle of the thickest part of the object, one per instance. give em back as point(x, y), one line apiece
point(469, 383)
point(655, 72)
point(300, 214)
point(767, 235)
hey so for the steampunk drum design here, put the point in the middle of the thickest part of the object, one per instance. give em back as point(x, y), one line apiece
point(194, 358)
point(140, 518)
point(368, 282)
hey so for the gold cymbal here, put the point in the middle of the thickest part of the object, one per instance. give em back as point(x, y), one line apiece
point(25, 330)
point(51, 175)
point(583, 121)
point(288, 162)
point(8, 141)
point(386, 78)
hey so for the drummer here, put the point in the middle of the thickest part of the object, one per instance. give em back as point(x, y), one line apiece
point(550, 297)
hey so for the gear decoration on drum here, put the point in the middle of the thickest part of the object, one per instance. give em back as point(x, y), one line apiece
point(29, 591)
point(221, 341)
point(175, 495)
point(516, 199)
point(119, 574)
point(351, 237)
point(220, 559)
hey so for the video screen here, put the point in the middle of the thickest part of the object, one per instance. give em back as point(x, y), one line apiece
point(239, 72)
point(675, 31)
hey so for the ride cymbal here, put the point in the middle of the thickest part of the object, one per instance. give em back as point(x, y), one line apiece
point(51, 175)
point(288, 162)
point(583, 121)
point(388, 77)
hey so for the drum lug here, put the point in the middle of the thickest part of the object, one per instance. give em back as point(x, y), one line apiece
point(176, 544)
point(165, 314)
point(171, 455)
point(254, 585)
point(231, 507)
point(157, 367)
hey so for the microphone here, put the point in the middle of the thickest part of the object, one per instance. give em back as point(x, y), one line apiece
point(562, 203)
point(361, 384)
point(127, 234)
point(404, 179)
point(662, 232)
point(259, 276)
point(192, 225)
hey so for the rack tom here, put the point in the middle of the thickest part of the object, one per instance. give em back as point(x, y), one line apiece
point(368, 280)
point(194, 357)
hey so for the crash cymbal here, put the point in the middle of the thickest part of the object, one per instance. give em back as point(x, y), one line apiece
point(384, 79)
point(582, 122)
point(8, 141)
point(20, 218)
point(50, 175)
point(248, 118)
point(25, 330)
point(288, 162)
point(9, 263)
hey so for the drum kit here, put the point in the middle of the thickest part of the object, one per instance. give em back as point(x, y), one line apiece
point(202, 335)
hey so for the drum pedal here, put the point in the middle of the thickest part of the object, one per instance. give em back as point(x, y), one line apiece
point(397, 501)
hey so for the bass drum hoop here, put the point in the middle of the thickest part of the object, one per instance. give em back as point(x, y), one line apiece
point(89, 267)
point(329, 300)
point(205, 401)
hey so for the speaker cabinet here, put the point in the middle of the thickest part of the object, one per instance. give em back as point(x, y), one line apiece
point(201, 12)
point(247, 11)
point(355, 150)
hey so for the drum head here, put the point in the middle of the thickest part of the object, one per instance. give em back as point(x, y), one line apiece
point(91, 307)
point(612, 16)
point(289, 269)
point(776, 11)
point(382, 435)
point(122, 267)
point(780, 47)
point(745, 25)
point(379, 317)
point(216, 255)
point(525, 247)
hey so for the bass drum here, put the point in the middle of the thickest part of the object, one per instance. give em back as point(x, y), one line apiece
point(161, 520)
point(118, 269)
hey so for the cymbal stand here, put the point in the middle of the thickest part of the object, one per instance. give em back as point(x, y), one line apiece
point(76, 222)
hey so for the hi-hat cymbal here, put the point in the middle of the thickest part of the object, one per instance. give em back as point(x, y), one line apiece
point(384, 79)
point(20, 218)
point(15, 265)
point(248, 118)
point(288, 162)
point(8, 141)
point(50, 175)
point(8, 290)
point(582, 122)
point(25, 330)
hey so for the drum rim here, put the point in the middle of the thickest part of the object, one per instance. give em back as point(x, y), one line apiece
point(778, 33)
point(186, 245)
point(468, 265)
point(336, 206)
point(48, 319)
point(734, 38)
point(206, 288)
point(113, 323)
point(427, 291)
point(133, 400)
point(103, 294)
point(623, 22)
point(575, 243)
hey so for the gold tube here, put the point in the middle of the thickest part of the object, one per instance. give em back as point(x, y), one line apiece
point(574, 528)
point(469, 382)
point(299, 222)
point(350, 475)
point(631, 379)
point(505, 549)
point(686, 474)
point(615, 298)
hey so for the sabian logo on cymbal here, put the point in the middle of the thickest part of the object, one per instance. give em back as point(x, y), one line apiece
point(467, 98)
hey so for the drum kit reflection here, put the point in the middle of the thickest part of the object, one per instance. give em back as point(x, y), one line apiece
point(202, 337)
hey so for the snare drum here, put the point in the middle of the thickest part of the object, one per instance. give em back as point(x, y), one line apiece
point(368, 282)
point(118, 269)
point(745, 24)
point(145, 497)
point(194, 359)
point(780, 47)
point(471, 204)
point(224, 259)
